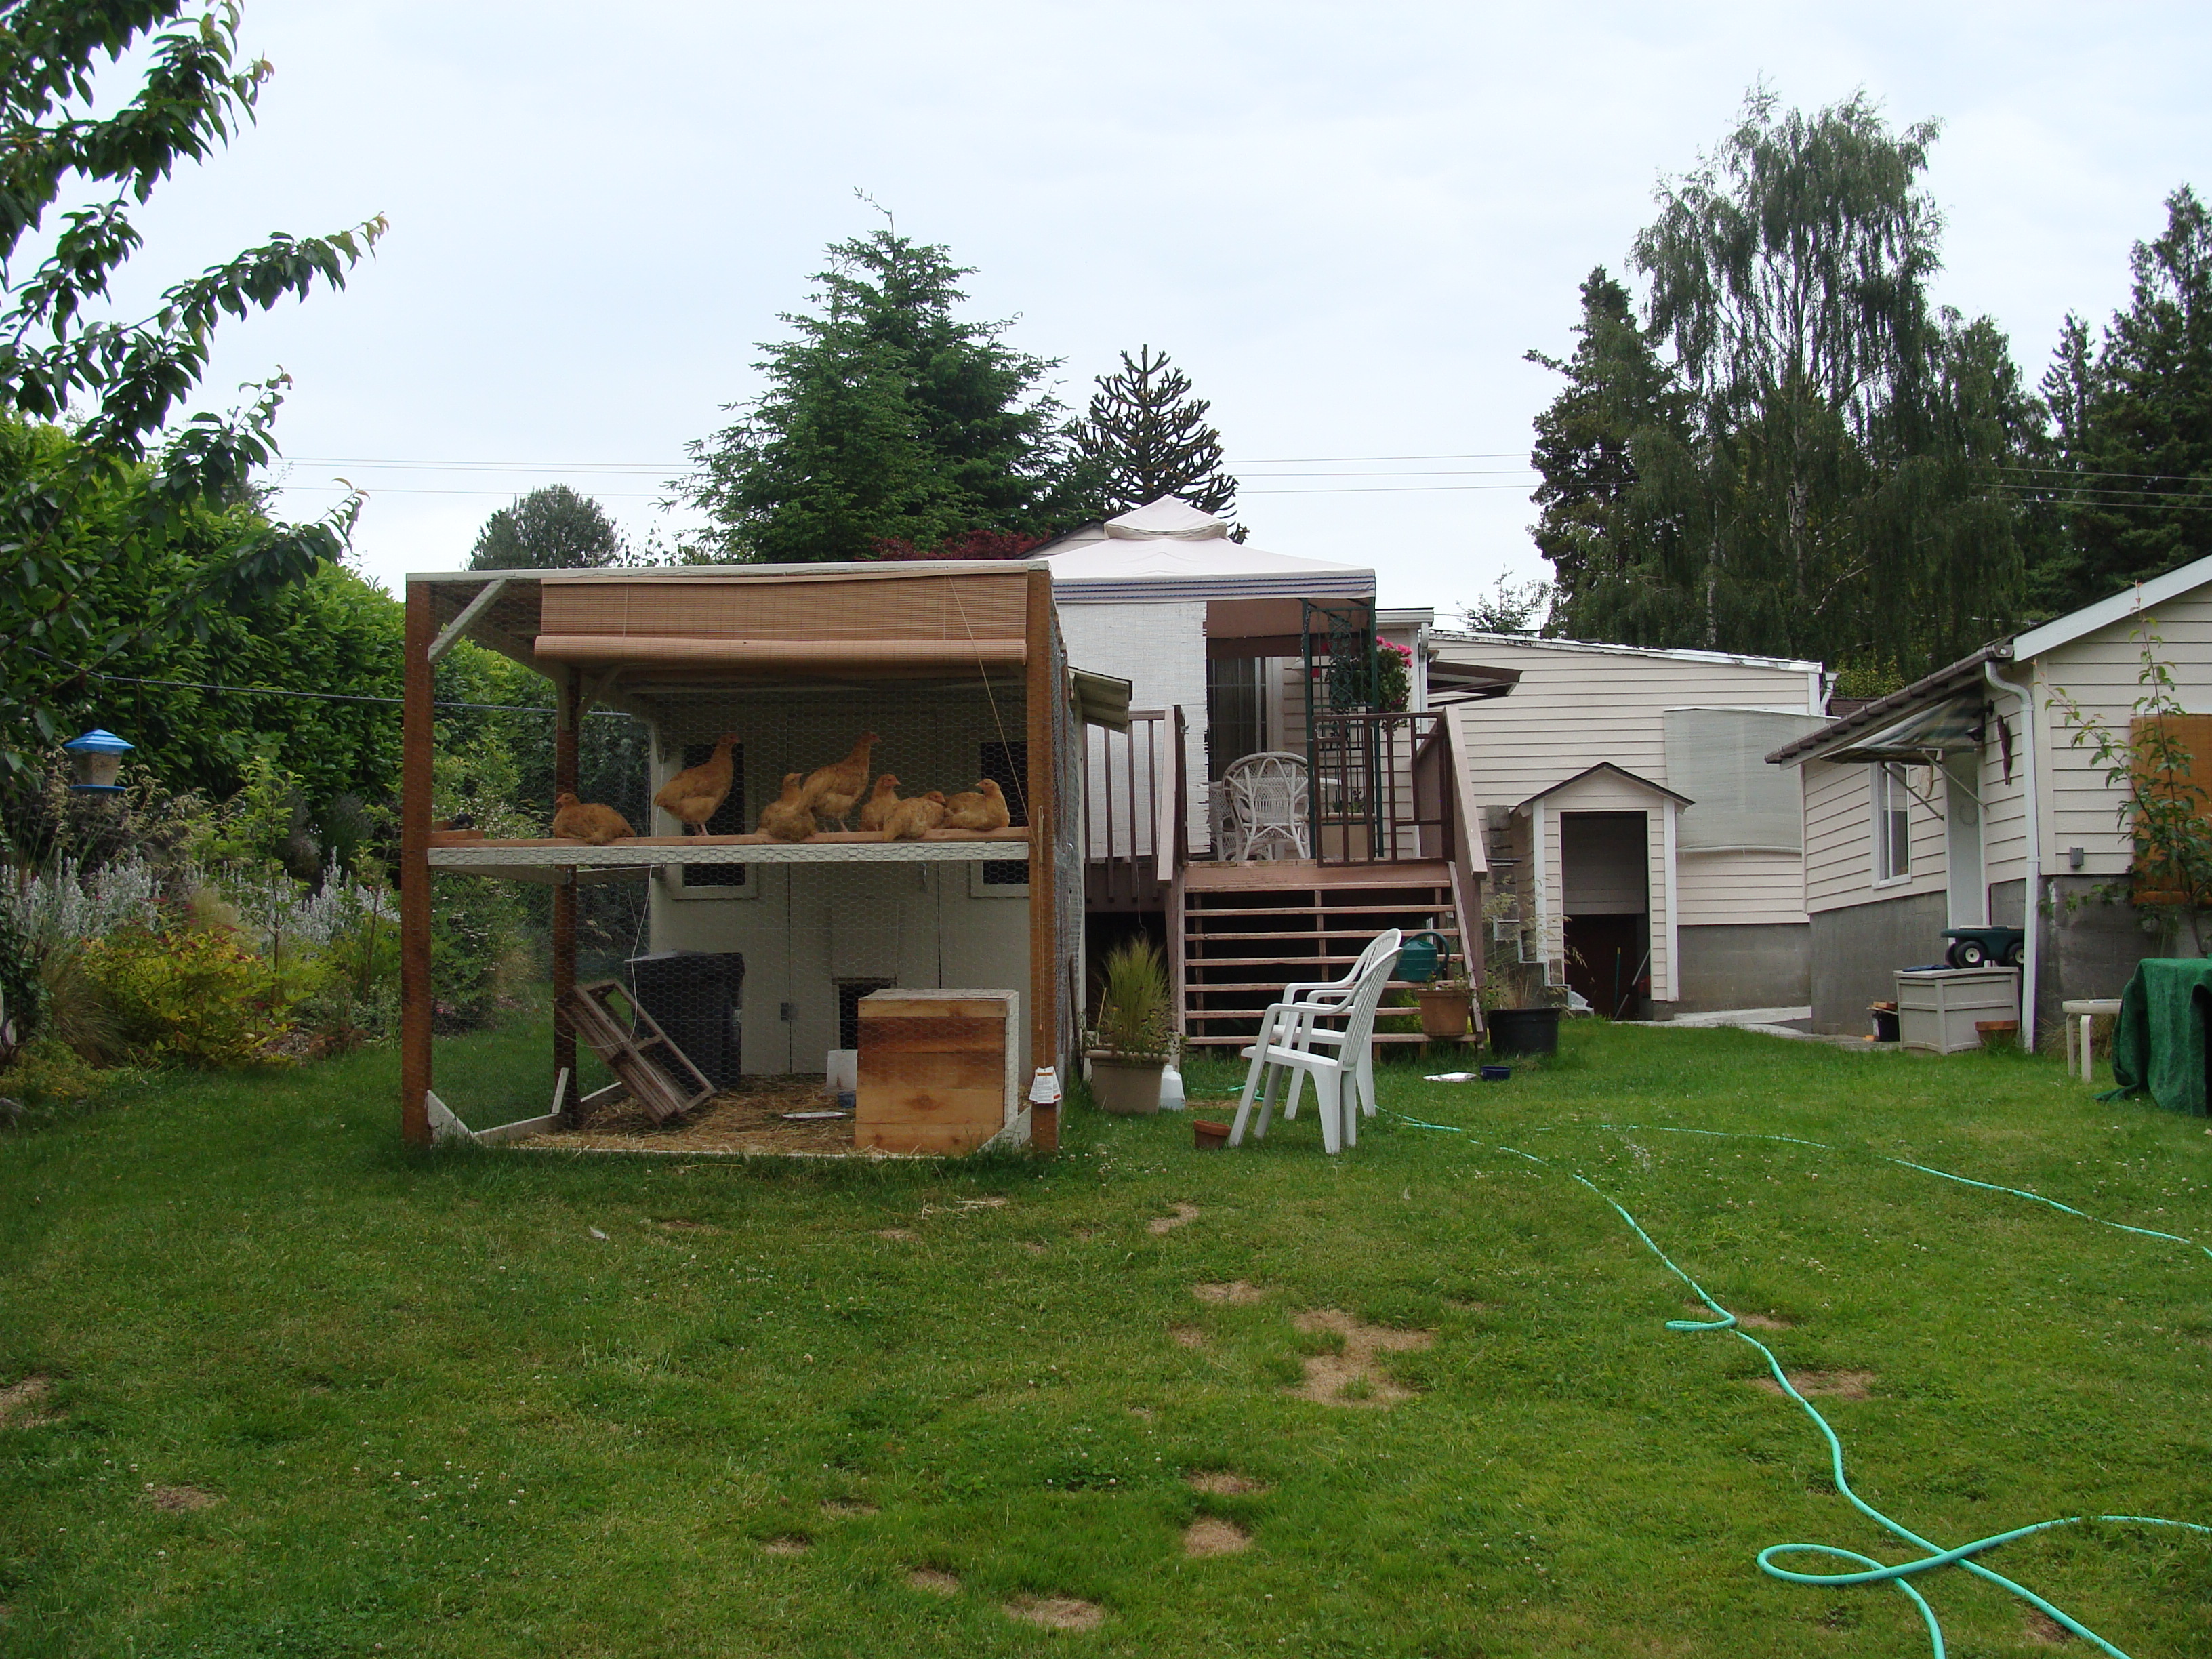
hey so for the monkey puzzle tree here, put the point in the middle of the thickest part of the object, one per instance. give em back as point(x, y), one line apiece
point(1144, 437)
point(103, 513)
point(550, 529)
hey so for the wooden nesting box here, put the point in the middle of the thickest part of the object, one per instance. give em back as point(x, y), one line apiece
point(937, 1070)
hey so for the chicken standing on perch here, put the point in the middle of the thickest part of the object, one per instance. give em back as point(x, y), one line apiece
point(910, 820)
point(697, 793)
point(983, 807)
point(588, 821)
point(788, 817)
point(834, 790)
point(876, 811)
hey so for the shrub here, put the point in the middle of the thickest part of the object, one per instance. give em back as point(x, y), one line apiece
point(199, 997)
point(47, 1072)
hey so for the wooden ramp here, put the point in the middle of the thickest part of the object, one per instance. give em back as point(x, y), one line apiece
point(1246, 930)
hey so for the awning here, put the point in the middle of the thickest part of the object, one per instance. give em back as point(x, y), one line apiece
point(858, 658)
point(1100, 699)
point(1466, 682)
point(1923, 737)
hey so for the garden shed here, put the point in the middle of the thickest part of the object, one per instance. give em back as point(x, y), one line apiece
point(955, 670)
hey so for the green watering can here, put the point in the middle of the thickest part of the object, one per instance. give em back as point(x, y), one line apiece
point(1423, 957)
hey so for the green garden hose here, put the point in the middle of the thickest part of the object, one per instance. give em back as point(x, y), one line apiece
point(1868, 1570)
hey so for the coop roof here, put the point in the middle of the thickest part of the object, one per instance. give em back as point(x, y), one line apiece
point(862, 621)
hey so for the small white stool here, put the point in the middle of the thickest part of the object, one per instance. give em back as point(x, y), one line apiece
point(2087, 1010)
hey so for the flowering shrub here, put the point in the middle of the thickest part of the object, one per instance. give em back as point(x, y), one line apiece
point(1394, 672)
point(200, 997)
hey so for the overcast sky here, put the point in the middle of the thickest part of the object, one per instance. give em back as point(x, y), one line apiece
point(1346, 223)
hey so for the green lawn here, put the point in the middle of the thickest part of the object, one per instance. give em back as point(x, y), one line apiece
point(439, 1414)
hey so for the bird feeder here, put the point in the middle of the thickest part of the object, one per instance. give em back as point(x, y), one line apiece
point(98, 758)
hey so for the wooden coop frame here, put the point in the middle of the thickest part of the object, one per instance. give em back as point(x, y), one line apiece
point(633, 640)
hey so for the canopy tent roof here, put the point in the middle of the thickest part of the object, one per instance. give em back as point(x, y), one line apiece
point(1170, 550)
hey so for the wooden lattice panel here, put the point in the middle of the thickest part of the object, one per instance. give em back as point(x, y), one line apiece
point(658, 1075)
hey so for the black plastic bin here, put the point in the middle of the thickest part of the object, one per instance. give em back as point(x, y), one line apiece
point(697, 997)
point(1523, 1031)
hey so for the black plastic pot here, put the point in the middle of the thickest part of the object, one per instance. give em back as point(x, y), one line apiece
point(1524, 1031)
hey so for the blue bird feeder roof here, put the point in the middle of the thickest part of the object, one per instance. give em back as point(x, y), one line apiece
point(98, 742)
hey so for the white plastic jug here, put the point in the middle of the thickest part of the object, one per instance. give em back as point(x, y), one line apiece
point(1171, 1089)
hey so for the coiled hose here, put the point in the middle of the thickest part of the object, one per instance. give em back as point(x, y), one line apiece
point(1866, 1569)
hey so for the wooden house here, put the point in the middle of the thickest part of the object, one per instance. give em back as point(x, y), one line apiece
point(1964, 800)
point(957, 669)
point(1652, 861)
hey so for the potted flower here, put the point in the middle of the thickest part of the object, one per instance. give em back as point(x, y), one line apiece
point(1133, 1041)
point(1446, 1003)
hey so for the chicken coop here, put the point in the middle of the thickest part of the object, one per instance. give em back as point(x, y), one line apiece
point(784, 707)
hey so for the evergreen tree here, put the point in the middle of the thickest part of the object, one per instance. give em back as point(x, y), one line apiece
point(1794, 453)
point(1145, 437)
point(2132, 425)
point(887, 419)
point(548, 529)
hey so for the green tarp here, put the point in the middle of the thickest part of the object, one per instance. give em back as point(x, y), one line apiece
point(2159, 1042)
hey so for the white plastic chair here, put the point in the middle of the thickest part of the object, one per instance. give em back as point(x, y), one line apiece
point(1334, 994)
point(1267, 805)
point(1289, 1034)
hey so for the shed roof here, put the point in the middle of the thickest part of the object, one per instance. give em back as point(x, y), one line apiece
point(1621, 772)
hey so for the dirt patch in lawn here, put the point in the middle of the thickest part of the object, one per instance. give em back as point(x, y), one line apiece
point(1183, 1216)
point(1220, 1483)
point(847, 1507)
point(1236, 1293)
point(1750, 1321)
point(1056, 1612)
point(1188, 1336)
point(897, 1235)
point(1351, 1377)
point(20, 1403)
point(936, 1583)
point(2044, 1631)
point(790, 1544)
point(180, 1500)
point(1212, 1536)
point(1839, 1385)
point(749, 1119)
point(1034, 1247)
point(678, 1224)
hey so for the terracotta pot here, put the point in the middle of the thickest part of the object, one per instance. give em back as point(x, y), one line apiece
point(1209, 1137)
point(1443, 1013)
point(1125, 1086)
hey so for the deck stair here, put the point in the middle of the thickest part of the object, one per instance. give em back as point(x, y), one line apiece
point(1247, 930)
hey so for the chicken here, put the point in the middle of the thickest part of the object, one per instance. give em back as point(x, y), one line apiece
point(588, 821)
point(910, 820)
point(876, 811)
point(787, 818)
point(971, 809)
point(834, 790)
point(697, 793)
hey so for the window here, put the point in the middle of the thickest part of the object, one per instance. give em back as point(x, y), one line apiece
point(1236, 711)
point(1007, 765)
point(1892, 824)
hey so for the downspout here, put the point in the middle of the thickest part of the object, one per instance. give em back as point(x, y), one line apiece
point(2032, 918)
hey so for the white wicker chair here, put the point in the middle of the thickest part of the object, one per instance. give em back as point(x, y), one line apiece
point(1268, 807)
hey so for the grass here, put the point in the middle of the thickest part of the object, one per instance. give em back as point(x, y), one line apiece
point(442, 1415)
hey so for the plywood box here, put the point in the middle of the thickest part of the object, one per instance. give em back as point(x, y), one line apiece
point(938, 1070)
point(1937, 1009)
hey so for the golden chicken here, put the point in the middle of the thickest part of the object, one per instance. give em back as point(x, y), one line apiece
point(834, 790)
point(910, 820)
point(876, 811)
point(588, 821)
point(983, 807)
point(788, 817)
point(697, 793)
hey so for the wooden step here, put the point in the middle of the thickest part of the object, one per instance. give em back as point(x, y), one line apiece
point(1321, 933)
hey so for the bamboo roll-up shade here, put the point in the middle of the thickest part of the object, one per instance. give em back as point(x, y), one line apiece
point(981, 607)
point(862, 658)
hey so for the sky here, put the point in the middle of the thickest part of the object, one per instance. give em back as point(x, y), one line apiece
point(1346, 223)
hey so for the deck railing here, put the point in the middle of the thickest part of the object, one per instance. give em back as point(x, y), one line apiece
point(1380, 790)
point(1131, 789)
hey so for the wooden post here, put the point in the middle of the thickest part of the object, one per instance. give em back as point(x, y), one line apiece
point(567, 716)
point(1043, 785)
point(415, 1004)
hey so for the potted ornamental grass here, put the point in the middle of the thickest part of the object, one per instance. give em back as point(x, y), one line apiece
point(1133, 1040)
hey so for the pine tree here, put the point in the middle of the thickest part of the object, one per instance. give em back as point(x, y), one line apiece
point(548, 529)
point(887, 419)
point(1145, 436)
point(2133, 424)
